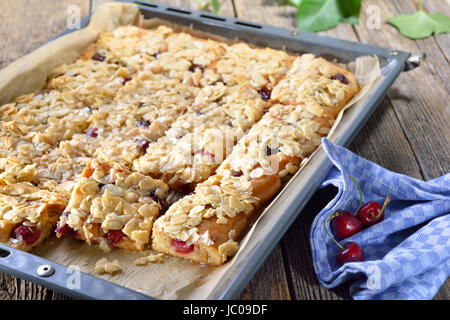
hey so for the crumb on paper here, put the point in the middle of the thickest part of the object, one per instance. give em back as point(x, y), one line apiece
point(153, 258)
point(105, 266)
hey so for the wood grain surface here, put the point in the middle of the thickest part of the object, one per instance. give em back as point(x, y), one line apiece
point(409, 132)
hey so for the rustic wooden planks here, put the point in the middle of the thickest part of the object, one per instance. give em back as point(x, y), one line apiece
point(408, 133)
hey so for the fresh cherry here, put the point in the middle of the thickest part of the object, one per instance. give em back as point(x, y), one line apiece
point(181, 246)
point(344, 224)
point(113, 236)
point(372, 212)
point(351, 252)
point(27, 234)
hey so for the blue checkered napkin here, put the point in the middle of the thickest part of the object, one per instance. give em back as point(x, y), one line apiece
point(408, 253)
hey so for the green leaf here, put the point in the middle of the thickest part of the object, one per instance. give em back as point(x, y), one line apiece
point(420, 24)
point(216, 6)
point(350, 10)
point(319, 15)
point(295, 3)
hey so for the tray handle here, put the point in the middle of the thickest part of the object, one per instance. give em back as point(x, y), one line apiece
point(414, 61)
point(69, 281)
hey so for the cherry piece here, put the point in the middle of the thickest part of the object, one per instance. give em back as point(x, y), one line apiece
point(93, 132)
point(344, 224)
point(65, 230)
point(125, 80)
point(270, 151)
point(114, 236)
point(27, 234)
point(351, 252)
point(340, 77)
point(181, 246)
point(264, 93)
point(155, 55)
point(143, 123)
point(237, 173)
point(143, 144)
point(98, 57)
point(206, 153)
point(372, 212)
point(156, 198)
point(194, 67)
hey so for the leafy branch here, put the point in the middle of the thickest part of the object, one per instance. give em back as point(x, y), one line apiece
point(319, 15)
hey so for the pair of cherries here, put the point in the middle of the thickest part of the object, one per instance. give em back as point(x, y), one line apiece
point(344, 224)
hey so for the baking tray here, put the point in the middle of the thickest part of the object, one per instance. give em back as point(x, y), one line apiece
point(295, 195)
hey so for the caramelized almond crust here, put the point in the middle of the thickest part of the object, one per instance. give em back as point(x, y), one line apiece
point(113, 206)
point(205, 226)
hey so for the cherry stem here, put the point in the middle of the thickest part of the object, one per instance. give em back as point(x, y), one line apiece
point(333, 215)
point(360, 194)
point(384, 206)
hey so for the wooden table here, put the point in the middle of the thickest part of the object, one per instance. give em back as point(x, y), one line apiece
point(409, 132)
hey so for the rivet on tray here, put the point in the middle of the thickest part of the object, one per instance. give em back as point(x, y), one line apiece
point(45, 270)
point(394, 52)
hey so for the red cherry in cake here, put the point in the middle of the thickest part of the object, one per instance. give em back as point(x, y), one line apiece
point(345, 224)
point(114, 236)
point(265, 93)
point(372, 212)
point(143, 144)
point(203, 152)
point(92, 132)
point(351, 252)
point(98, 57)
point(27, 234)
point(339, 76)
point(65, 230)
point(181, 246)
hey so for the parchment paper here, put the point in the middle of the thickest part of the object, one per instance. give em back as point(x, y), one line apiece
point(174, 278)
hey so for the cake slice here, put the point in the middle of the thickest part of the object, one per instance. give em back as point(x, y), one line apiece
point(205, 226)
point(28, 214)
point(200, 140)
point(113, 206)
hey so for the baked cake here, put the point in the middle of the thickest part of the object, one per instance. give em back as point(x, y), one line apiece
point(143, 112)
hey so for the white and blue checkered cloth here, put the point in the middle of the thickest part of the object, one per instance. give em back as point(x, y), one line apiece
point(407, 255)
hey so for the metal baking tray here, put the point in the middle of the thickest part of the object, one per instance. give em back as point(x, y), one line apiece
point(289, 203)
